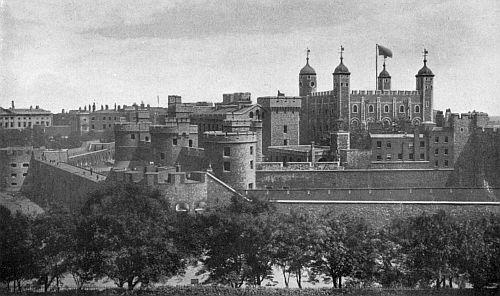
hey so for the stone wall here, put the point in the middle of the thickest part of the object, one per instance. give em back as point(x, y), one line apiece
point(379, 215)
point(352, 178)
point(59, 183)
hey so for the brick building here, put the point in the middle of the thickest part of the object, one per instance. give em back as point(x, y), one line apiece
point(18, 118)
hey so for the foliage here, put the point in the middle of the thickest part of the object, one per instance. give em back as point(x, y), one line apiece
point(129, 228)
point(343, 247)
point(54, 246)
point(291, 241)
point(16, 251)
point(238, 244)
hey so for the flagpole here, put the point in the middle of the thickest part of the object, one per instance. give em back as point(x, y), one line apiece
point(376, 65)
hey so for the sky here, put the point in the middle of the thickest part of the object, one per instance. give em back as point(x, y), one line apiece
point(69, 53)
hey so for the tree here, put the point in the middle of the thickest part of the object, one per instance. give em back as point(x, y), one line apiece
point(238, 243)
point(343, 247)
point(291, 241)
point(429, 242)
point(16, 256)
point(54, 245)
point(479, 248)
point(129, 228)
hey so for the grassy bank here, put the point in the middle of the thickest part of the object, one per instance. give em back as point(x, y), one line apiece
point(225, 291)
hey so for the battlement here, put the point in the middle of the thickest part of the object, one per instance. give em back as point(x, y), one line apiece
point(193, 152)
point(386, 92)
point(322, 93)
point(154, 175)
point(280, 102)
point(132, 126)
point(468, 116)
point(229, 137)
point(172, 129)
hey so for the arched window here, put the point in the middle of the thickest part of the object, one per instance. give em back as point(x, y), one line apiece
point(257, 113)
point(370, 109)
point(312, 84)
point(386, 108)
point(401, 109)
point(417, 109)
point(355, 109)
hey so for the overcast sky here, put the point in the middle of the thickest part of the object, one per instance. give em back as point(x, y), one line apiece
point(68, 53)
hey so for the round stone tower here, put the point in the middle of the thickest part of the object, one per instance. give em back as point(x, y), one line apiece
point(232, 156)
point(130, 140)
point(425, 82)
point(307, 79)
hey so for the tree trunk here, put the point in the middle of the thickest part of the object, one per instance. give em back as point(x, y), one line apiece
point(285, 278)
point(451, 282)
point(340, 282)
point(130, 284)
point(19, 285)
point(299, 278)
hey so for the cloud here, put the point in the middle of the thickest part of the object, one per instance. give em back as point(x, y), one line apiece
point(231, 17)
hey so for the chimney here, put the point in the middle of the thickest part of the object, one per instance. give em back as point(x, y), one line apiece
point(37, 107)
point(13, 105)
point(107, 107)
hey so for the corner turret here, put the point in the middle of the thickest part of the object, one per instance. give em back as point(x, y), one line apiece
point(425, 81)
point(307, 79)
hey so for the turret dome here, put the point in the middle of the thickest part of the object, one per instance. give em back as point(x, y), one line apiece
point(384, 74)
point(425, 71)
point(341, 69)
point(307, 70)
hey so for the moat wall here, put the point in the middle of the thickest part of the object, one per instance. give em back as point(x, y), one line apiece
point(382, 178)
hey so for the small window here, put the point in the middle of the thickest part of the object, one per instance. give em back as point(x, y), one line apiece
point(386, 108)
point(190, 143)
point(370, 109)
point(250, 115)
point(389, 145)
point(379, 157)
point(446, 163)
point(251, 150)
point(436, 163)
point(436, 140)
point(227, 151)
point(285, 129)
point(227, 166)
point(400, 156)
point(388, 157)
point(25, 174)
point(379, 144)
point(132, 136)
point(13, 175)
point(250, 185)
point(410, 145)
point(401, 109)
point(417, 109)
point(93, 127)
point(13, 165)
point(410, 156)
point(446, 139)
point(312, 84)
point(162, 155)
point(446, 151)
point(422, 143)
point(146, 139)
point(285, 142)
point(422, 156)
point(174, 142)
point(251, 164)
point(26, 165)
point(436, 151)
point(426, 103)
point(355, 109)
point(13, 183)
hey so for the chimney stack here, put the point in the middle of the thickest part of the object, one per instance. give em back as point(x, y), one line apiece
point(13, 105)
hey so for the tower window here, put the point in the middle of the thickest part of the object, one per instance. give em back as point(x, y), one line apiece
point(251, 150)
point(300, 83)
point(174, 141)
point(285, 129)
point(422, 143)
point(379, 144)
point(417, 109)
point(436, 151)
point(436, 140)
point(227, 166)
point(422, 156)
point(162, 155)
point(227, 151)
point(370, 109)
point(190, 143)
point(446, 151)
point(386, 108)
point(285, 142)
point(389, 145)
point(354, 108)
point(251, 115)
point(251, 164)
point(132, 136)
point(401, 109)
point(446, 163)
point(446, 139)
point(312, 84)
point(146, 139)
